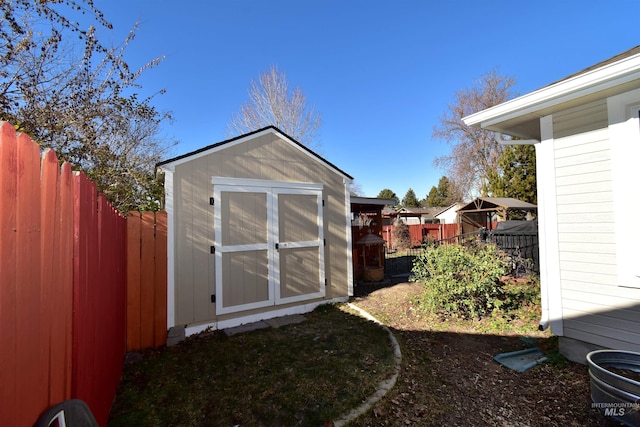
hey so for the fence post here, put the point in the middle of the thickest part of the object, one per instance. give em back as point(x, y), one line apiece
point(160, 323)
point(133, 281)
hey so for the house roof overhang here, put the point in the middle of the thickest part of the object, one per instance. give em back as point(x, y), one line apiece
point(520, 117)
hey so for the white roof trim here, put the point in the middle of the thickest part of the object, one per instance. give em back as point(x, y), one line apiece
point(607, 76)
point(171, 165)
point(218, 147)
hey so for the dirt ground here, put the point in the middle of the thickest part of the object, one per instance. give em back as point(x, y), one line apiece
point(449, 376)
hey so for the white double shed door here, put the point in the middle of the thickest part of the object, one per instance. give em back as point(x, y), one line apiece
point(268, 243)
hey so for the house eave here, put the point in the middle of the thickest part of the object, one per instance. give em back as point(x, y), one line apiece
point(520, 116)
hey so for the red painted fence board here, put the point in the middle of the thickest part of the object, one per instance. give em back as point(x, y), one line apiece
point(421, 232)
point(62, 286)
point(99, 298)
point(133, 281)
point(146, 280)
point(79, 284)
point(31, 347)
point(8, 239)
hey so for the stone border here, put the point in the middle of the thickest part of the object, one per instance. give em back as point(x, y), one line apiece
point(385, 385)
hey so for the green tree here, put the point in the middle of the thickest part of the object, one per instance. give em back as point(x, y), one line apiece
point(516, 174)
point(410, 200)
point(474, 152)
point(443, 195)
point(389, 195)
point(69, 92)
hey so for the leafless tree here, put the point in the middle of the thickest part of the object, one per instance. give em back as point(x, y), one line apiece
point(355, 189)
point(474, 152)
point(401, 235)
point(271, 102)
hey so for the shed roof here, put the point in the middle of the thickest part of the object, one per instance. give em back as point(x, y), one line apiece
point(521, 116)
point(429, 212)
point(169, 163)
point(490, 203)
point(359, 200)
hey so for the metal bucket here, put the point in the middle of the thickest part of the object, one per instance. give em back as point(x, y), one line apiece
point(616, 396)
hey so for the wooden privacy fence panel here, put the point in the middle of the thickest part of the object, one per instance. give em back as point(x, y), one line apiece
point(36, 249)
point(146, 280)
point(99, 292)
point(420, 233)
point(62, 286)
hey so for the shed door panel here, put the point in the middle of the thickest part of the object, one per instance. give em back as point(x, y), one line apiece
point(269, 246)
point(242, 250)
point(301, 245)
point(245, 278)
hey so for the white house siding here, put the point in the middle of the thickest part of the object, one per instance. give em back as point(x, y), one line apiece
point(585, 118)
point(595, 308)
point(450, 215)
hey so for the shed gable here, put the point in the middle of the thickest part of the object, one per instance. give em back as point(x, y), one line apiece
point(264, 159)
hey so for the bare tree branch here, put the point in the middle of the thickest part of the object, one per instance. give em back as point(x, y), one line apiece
point(271, 102)
point(474, 153)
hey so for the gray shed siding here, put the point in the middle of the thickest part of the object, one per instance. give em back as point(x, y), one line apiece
point(266, 157)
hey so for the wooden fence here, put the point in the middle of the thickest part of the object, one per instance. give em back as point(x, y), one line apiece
point(146, 280)
point(420, 233)
point(99, 298)
point(64, 301)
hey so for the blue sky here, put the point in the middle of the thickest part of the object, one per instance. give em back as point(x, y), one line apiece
point(381, 73)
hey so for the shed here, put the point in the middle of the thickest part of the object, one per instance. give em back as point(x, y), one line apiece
point(259, 226)
point(484, 211)
point(586, 133)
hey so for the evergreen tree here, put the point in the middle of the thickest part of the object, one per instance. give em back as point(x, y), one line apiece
point(516, 174)
point(433, 198)
point(390, 195)
point(410, 200)
point(443, 195)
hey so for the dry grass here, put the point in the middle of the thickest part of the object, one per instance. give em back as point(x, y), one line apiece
point(304, 374)
point(317, 371)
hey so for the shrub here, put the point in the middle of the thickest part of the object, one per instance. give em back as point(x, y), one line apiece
point(401, 236)
point(461, 280)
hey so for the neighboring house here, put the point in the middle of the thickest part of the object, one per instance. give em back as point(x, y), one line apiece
point(449, 215)
point(259, 226)
point(586, 133)
point(414, 216)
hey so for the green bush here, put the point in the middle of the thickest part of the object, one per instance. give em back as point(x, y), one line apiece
point(461, 281)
